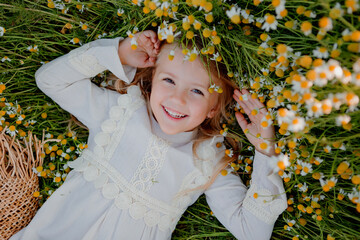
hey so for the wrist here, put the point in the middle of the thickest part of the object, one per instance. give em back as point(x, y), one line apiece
point(123, 51)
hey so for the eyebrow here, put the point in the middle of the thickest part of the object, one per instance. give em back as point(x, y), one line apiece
point(197, 84)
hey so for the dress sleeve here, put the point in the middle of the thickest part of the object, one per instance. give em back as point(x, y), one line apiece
point(248, 213)
point(67, 79)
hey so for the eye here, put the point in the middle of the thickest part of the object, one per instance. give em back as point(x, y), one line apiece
point(168, 80)
point(197, 91)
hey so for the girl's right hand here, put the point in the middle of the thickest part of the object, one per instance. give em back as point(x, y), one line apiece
point(148, 47)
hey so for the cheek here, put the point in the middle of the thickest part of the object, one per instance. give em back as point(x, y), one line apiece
point(155, 96)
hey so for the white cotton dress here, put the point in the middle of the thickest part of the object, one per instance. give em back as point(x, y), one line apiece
point(125, 185)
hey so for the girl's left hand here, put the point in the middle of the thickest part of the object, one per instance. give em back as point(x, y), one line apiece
point(262, 138)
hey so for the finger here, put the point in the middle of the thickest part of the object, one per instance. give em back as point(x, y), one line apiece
point(154, 39)
point(253, 103)
point(242, 105)
point(242, 121)
point(149, 62)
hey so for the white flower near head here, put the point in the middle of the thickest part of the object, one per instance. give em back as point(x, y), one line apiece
point(191, 55)
point(133, 43)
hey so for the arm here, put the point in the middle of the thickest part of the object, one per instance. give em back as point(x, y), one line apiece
point(67, 79)
point(251, 214)
point(236, 208)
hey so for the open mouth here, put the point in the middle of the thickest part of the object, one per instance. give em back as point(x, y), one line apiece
point(174, 114)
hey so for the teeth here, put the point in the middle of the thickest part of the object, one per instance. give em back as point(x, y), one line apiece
point(174, 115)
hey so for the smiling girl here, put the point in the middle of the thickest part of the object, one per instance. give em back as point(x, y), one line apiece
point(152, 150)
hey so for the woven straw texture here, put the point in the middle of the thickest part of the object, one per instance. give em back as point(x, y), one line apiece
point(17, 183)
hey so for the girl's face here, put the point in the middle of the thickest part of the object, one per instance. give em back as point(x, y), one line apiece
point(179, 97)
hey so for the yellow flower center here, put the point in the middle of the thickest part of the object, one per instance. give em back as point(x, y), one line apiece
point(270, 19)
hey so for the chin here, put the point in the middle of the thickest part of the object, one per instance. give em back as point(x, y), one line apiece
point(169, 131)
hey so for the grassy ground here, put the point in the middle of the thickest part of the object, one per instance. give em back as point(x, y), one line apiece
point(38, 31)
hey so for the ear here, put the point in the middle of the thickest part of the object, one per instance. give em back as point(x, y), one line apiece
point(213, 111)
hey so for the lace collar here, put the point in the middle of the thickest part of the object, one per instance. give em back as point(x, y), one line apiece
point(176, 139)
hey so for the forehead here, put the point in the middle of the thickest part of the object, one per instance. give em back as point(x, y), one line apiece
point(194, 71)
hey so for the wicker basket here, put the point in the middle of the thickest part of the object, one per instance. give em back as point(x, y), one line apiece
point(17, 183)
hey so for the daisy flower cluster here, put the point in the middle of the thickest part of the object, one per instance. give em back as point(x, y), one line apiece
point(57, 151)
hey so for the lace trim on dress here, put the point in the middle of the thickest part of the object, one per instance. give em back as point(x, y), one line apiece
point(96, 168)
point(87, 64)
point(265, 206)
point(150, 166)
point(204, 165)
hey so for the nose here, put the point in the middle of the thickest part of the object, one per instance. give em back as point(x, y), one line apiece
point(179, 96)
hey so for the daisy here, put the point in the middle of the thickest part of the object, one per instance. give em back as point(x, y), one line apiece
point(279, 162)
point(75, 41)
point(351, 99)
point(84, 26)
point(216, 57)
point(321, 52)
point(297, 124)
point(248, 18)
point(285, 115)
point(356, 79)
point(306, 168)
point(287, 176)
point(346, 76)
point(266, 121)
point(6, 58)
point(352, 6)
point(325, 23)
point(33, 49)
point(356, 66)
point(306, 28)
point(323, 75)
point(327, 149)
point(133, 43)
point(314, 109)
point(304, 187)
point(2, 31)
point(270, 23)
point(234, 14)
point(336, 11)
point(326, 106)
point(280, 8)
point(120, 12)
point(301, 86)
point(335, 69)
point(318, 161)
point(191, 55)
point(346, 34)
point(12, 131)
point(229, 152)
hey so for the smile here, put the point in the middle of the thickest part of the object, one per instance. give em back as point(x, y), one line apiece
point(174, 114)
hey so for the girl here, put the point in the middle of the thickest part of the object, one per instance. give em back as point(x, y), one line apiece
point(151, 152)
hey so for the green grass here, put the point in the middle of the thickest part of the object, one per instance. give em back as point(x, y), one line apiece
point(30, 23)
